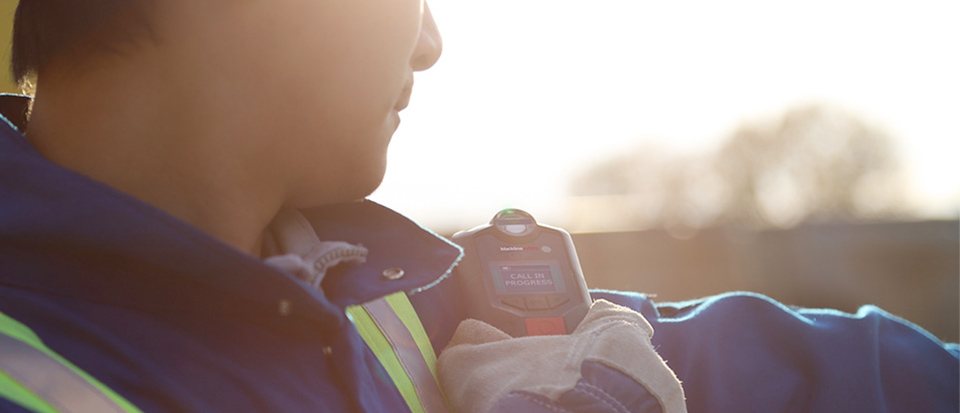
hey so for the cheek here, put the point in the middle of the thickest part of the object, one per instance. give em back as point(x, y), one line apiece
point(343, 91)
point(356, 52)
point(320, 83)
point(345, 57)
point(368, 78)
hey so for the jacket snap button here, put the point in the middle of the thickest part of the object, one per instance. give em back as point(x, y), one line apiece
point(285, 307)
point(393, 273)
point(327, 351)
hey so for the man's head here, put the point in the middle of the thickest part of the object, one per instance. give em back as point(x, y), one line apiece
point(303, 91)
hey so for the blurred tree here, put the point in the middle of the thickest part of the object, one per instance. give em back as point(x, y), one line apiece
point(814, 162)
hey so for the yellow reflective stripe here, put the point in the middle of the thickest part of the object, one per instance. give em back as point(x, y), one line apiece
point(380, 346)
point(13, 329)
point(408, 315)
point(12, 390)
point(17, 330)
point(408, 352)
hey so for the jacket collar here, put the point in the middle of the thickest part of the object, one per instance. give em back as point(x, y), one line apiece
point(65, 234)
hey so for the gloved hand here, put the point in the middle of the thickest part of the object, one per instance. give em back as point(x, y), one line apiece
point(606, 364)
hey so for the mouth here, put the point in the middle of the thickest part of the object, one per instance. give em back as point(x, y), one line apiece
point(404, 99)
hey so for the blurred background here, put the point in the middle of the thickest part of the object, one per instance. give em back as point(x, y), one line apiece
point(804, 150)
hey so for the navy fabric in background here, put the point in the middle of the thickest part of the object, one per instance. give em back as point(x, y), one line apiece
point(741, 352)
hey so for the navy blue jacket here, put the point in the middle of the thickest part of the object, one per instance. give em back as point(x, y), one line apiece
point(174, 320)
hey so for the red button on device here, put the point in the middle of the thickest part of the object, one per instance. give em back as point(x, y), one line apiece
point(549, 326)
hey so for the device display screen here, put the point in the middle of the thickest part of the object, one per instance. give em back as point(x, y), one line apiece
point(527, 277)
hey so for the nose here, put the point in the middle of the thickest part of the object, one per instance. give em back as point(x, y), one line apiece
point(429, 46)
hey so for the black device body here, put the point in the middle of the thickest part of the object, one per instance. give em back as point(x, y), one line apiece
point(522, 277)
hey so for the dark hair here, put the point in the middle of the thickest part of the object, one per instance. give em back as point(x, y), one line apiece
point(43, 28)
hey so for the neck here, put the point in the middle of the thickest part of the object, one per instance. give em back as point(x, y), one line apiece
point(127, 129)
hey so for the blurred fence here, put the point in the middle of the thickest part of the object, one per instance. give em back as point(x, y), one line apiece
point(911, 269)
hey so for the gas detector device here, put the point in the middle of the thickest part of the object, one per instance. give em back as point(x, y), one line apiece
point(522, 277)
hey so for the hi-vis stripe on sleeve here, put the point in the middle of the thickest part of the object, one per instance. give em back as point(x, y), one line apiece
point(36, 378)
point(391, 328)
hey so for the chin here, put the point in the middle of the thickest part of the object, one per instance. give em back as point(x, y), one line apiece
point(353, 185)
point(367, 188)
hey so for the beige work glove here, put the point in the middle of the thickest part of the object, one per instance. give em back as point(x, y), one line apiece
point(482, 364)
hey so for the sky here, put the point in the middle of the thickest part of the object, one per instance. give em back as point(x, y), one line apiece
point(530, 93)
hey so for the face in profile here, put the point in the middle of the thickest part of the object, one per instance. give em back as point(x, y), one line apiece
point(311, 88)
